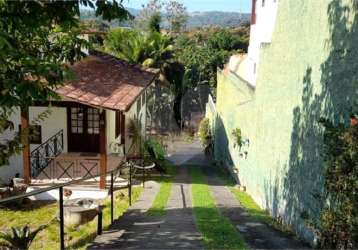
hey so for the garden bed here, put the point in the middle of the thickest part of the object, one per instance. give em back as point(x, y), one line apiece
point(37, 213)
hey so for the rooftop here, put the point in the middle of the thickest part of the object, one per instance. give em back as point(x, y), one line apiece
point(104, 81)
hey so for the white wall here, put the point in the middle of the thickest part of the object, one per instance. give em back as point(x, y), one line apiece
point(49, 127)
point(54, 123)
point(133, 113)
point(260, 32)
point(111, 132)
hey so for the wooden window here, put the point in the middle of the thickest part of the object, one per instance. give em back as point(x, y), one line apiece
point(77, 116)
point(92, 121)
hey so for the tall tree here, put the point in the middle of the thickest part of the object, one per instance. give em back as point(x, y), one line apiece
point(37, 39)
point(149, 13)
point(154, 22)
point(177, 16)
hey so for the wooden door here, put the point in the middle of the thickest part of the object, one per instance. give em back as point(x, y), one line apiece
point(83, 129)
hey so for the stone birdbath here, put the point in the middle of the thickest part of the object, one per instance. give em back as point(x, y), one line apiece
point(80, 211)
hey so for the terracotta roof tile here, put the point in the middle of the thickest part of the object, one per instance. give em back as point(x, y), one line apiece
point(105, 81)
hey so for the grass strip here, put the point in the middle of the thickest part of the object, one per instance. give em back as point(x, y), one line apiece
point(39, 213)
point(251, 206)
point(161, 199)
point(217, 231)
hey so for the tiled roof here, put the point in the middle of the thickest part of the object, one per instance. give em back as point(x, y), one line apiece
point(104, 81)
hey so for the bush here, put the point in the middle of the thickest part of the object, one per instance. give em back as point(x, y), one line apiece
point(205, 136)
point(337, 227)
point(156, 153)
point(154, 149)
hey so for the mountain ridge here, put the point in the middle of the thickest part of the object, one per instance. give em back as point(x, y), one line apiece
point(196, 18)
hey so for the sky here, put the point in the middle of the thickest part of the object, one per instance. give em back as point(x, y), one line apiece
point(243, 6)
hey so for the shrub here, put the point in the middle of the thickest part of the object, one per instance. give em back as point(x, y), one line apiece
point(155, 149)
point(337, 227)
point(20, 238)
point(156, 153)
point(205, 136)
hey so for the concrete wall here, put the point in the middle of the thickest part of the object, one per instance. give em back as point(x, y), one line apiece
point(308, 71)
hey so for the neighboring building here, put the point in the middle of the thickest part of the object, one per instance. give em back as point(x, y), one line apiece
point(263, 19)
point(305, 54)
point(85, 133)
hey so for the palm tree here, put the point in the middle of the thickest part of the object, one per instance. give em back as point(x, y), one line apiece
point(147, 49)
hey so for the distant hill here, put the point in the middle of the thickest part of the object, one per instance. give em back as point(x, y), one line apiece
point(196, 19)
point(217, 18)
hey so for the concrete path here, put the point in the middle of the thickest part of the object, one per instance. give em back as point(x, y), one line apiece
point(257, 235)
point(177, 228)
point(137, 230)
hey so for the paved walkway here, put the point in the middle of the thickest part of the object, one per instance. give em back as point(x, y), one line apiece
point(136, 230)
point(177, 228)
point(257, 235)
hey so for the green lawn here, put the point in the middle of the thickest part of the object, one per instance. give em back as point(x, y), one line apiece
point(217, 231)
point(161, 199)
point(38, 213)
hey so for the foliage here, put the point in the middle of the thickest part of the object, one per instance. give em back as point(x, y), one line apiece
point(148, 14)
point(20, 238)
point(177, 16)
point(150, 17)
point(224, 39)
point(338, 225)
point(155, 149)
point(149, 49)
point(236, 133)
point(39, 212)
point(156, 153)
point(195, 20)
point(154, 22)
point(205, 132)
point(217, 231)
point(204, 51)
point(34, 52)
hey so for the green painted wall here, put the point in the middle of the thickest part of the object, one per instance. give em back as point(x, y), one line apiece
point(309, 70)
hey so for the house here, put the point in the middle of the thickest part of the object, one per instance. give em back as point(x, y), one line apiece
point(85, 132)
point(301, 66)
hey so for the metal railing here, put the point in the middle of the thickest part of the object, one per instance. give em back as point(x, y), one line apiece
point(44, 154)
point(60, 187)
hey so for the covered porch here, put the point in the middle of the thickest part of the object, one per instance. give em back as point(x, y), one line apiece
point(85, 134)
